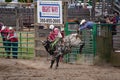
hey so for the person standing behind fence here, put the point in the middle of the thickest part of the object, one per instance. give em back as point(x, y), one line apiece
point(117, 17)
point(111, 21)
point(114, 24)
point(6, 44)
point(12, 37)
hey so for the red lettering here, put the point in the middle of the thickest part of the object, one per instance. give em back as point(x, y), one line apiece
point(45, 8)
point(50, 9)
point(54, 9)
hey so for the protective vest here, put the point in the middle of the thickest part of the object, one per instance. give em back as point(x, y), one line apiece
point(55, 34)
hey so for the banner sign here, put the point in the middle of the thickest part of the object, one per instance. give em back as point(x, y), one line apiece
point(49, 12)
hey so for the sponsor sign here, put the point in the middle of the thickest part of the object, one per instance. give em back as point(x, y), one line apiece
point(49, 12)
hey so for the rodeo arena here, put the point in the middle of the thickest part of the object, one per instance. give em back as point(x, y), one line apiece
point(60, 40)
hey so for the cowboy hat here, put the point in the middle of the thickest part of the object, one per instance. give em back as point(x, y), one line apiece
point(82, 21)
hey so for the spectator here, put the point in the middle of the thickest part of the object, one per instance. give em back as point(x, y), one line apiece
point(116, 16)
point(114, 24)
point(12, 37)
point(112, 21)
point(4, 32)
point(108, 19)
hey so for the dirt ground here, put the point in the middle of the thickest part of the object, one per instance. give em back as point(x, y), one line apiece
point(38, 69)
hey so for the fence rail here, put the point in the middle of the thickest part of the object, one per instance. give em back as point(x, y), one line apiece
point(25, 45)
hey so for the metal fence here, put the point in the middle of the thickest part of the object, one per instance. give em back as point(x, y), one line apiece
point(79, 13)
point(107, 40)
point(89, 50)
point(16, 15)
point(102, 41)
point(116, 38)
point(25, 45)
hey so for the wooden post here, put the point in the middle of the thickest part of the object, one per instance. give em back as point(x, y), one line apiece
point(41, 34)
point(35, 20)
point(17, 19)
point(65, 12)
point(93, 10)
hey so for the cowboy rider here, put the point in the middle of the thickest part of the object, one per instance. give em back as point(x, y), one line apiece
point(54, 36)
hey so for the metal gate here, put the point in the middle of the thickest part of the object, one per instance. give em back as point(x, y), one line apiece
point(101, 42)
point(69, 29)
point(89, 50)
point(25, 45)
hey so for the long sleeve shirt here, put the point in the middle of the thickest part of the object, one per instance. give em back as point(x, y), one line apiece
point(88, 24)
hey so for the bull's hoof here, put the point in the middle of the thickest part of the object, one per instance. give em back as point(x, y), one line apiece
point(56, 67)
point(50, 67)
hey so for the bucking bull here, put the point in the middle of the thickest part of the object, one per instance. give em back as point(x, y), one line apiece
point(63, 47)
